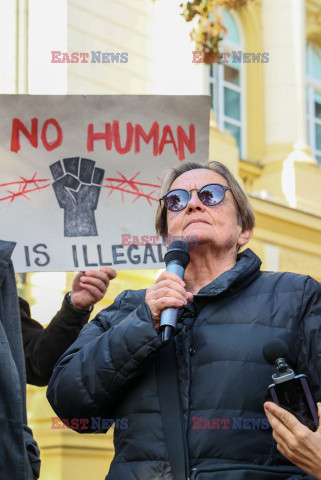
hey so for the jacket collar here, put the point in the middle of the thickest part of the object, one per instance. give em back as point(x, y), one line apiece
point(247, 268)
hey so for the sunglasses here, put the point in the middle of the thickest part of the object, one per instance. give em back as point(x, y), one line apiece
point(211, 194)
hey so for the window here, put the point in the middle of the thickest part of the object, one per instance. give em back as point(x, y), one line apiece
point(226, 81)
point(313, 69)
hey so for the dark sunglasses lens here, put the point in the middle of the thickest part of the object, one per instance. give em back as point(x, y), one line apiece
point(211, 194)
point(176, 200)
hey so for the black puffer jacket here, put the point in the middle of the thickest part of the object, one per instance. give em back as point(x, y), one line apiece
point(109, 372)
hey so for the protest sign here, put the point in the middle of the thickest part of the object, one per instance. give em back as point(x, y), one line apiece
point(80, 175)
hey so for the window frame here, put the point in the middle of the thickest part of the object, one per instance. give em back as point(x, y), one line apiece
point(227, 46)
point(312, 85)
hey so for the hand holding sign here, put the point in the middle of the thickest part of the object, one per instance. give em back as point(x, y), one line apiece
point(90, 287)
point(77, 185)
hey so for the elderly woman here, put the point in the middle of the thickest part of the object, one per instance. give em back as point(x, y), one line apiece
point(228, 310)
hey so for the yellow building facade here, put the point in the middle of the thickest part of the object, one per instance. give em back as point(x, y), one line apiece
point(265, 126)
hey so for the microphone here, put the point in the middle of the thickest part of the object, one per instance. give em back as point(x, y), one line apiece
point(176, 259)
point(276, 352)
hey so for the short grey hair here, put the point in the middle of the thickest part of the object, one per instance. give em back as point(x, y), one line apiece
point(245, 214)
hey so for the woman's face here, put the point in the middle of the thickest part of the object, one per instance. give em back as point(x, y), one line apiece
point(214, 225)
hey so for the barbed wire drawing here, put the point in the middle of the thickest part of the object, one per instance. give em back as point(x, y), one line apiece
point(24, 187)
point(132, 186)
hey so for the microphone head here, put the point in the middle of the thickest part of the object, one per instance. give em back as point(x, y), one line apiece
point(275, 349)
point(178, 251)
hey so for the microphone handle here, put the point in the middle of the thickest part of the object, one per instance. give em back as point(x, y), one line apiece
point(168, 319)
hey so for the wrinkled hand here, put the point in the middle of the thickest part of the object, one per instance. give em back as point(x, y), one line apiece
point(90, 286)
point(167, 291)
point(294, 440)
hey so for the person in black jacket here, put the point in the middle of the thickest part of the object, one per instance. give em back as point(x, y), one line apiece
point(228, 309)
point(44, 346)
point(19, 452)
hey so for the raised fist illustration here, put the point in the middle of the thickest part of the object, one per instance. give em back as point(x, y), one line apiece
point(77, 184)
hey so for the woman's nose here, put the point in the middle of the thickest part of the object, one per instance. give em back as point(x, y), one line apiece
point(194, 202)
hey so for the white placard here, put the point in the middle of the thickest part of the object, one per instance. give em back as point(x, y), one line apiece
point(80, 175)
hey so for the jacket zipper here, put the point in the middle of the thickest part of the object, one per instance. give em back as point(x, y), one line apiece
point(186, 334)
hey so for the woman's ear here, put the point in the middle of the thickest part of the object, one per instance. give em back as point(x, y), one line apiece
point(245, 236)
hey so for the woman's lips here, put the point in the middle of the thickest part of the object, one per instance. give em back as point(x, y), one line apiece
point(196, 221)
